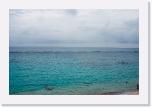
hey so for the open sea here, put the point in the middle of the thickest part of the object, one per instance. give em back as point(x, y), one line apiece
point(72, 70)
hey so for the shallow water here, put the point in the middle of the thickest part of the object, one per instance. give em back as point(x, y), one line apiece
point(44, 70)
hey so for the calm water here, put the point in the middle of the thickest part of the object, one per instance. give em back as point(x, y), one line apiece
point(73, 70)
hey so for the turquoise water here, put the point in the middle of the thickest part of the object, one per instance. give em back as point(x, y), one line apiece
point(44, 70)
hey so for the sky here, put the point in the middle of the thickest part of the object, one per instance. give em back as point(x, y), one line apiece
point(74, 28)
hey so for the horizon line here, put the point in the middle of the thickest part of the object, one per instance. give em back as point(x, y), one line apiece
point(70, 47)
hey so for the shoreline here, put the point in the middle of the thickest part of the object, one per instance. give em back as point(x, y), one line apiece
point(123, 93)
point(135, 92)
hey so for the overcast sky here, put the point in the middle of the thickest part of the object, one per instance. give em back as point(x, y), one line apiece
point(74, 28)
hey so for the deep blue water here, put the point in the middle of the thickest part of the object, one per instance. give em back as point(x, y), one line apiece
point(44, 70)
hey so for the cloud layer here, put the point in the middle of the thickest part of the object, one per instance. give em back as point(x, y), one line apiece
point(74, 28)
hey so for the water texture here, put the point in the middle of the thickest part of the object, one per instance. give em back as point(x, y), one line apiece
point(72, 70)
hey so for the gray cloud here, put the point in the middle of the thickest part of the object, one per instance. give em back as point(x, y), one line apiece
point(70, 27)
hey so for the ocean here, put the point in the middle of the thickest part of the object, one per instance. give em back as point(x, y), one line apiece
point(72, 70)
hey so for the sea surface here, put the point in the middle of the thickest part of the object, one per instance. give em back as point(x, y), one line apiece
point(72, 70)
